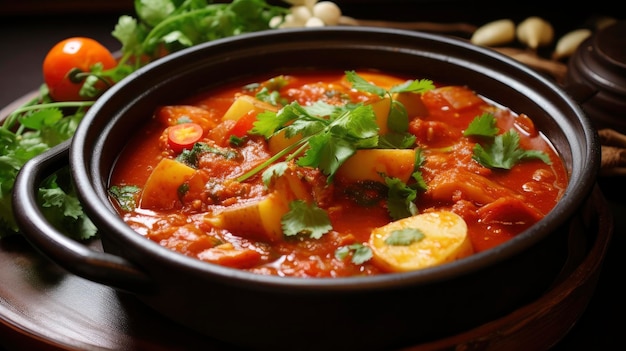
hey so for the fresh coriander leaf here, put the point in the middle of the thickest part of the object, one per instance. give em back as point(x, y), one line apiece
point(396, 141)
point(483, 125)
point(153, 12)
point(63, 210)
point(413, 86)
point(505, 152)
point(269, 91)
point(61, 130)
point(400, 198)
point(404, 237)
point(126, 196)
point(271, 97)
point(192, 157)
point(305, 219)
point(303, 122)
point(293, 118)
point(128, 32)
point(321, 109)
point(342, 252)
point(176, 40)
point(398, 120)
point(37, 120)
point(361, 84)
point(420, 183)
point(327, 152)
point(358, 123)
point(360, 253)
point(235, 140)
point(275, 170)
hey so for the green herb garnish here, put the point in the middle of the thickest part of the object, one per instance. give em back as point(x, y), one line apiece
point(126, 196)
point(360, 253)
point(305, 219)
point(405, 237)
point(503, 151)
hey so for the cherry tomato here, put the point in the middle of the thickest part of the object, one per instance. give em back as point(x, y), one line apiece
point(183, 136)
point(73, 53)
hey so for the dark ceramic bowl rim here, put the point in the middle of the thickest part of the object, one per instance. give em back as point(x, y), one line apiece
point(98, 208)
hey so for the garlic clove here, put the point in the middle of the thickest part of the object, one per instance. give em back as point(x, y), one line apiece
point(314, 22)
point(328, 12)
point(300, 14)
point(494, 33)
point(535, 32)
point(569, 42)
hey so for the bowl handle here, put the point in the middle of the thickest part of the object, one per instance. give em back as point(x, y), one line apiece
point(77, 258)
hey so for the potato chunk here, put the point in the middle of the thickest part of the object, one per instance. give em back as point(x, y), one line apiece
point(161, 189)
point(413, 104)
point(381, 109)
point(367, 164)
point(244, 104)
point(445, 240)
point(261, 219)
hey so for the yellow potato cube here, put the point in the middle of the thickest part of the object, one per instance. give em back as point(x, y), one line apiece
point(244, 104)
point(412, 103)
point(381, 110)
point(161, 189)
point(261, 220)
point(367, 164)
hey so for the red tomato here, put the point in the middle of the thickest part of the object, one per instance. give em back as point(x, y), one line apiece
point(183, 136)
point(73, 53)
point(244, 124)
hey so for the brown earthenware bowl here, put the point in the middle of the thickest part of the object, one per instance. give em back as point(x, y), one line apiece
point(268, 312)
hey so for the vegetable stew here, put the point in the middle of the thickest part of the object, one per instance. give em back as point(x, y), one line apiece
point(333, 174)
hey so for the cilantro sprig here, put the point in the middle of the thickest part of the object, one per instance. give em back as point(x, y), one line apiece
point(27, 132)
point(175, 25)
point(360, 253)
point(398, 119)
point(326, 142)
point(331, 134)
point(503, 150)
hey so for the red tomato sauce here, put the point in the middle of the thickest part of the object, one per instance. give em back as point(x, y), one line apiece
point(495, 204)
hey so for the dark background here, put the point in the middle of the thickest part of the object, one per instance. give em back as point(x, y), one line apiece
point(28, 28)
